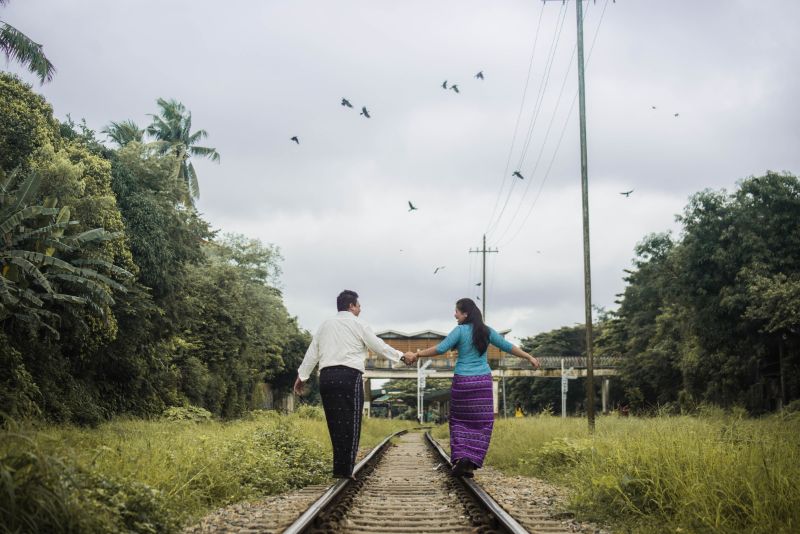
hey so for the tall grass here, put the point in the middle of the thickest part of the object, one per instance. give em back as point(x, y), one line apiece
point(154, 476)
point(716, 473)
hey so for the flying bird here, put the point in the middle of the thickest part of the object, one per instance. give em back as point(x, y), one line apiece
point(444, 84)
point(438, 269)
point(627, 193)
point(479, 75)
point(411, 207)
point(652, 107)
point(518, 175)
point(295, 139)
point(479, 283)
point(364, 111)
point(676, 114)
point(454, 87)
point(477, 297)
point(347, 103)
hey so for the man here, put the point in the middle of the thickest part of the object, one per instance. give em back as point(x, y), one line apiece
point(340, 347)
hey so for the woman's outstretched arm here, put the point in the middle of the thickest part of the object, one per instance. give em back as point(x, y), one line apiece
point(516, 351)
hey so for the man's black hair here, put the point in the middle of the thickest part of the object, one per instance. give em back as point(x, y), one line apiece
point(345, 299)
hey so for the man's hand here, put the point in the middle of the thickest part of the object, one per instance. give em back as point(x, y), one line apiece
point(298, 387)
point(410, 357)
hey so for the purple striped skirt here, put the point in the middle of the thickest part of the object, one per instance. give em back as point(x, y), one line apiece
point(471, 417)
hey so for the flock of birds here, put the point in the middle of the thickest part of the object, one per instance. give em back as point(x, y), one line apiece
point(365, 113)
point(452, 87)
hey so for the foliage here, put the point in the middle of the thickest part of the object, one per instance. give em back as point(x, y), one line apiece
point(124, 132)
point(118, 478)
point(26, 123)
point(43, 492)
point(43, 265)
point(235, 326)
point(172, 127)
point(186, 413)
point(719, 472)
point(537, 395)
point(310, 412)
point(713, 316)
point(161, 315)
point(19, 47)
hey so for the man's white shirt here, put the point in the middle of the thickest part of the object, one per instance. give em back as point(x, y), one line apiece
point(344, 340)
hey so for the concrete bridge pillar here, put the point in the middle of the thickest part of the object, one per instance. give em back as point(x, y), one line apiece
point(367, 397)
point(605, 389)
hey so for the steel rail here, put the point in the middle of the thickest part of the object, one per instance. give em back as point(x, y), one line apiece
point(503, 518)
point(313, 511)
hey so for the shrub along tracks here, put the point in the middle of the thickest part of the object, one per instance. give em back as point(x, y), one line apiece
point(403, 486)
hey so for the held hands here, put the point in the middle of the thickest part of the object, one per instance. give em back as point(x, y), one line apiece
point(534, 362)
point(410, 358)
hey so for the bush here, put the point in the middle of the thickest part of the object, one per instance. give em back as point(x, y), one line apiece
point(40, 492)
point(194, 414)
point(279, 458)
point(560, 453)
point(307, 411)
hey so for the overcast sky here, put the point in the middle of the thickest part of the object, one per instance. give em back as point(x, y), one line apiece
point(255, 73)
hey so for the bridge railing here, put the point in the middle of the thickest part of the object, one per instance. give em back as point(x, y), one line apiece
point(510, 362)
point(554, 362)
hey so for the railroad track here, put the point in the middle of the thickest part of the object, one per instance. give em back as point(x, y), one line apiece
point(404, 486)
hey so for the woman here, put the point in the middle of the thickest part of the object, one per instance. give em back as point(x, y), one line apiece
point(471, 399)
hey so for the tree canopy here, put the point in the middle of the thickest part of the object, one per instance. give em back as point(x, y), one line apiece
point(136, 303)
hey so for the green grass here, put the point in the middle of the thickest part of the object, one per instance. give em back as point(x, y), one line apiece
point(715, 473)
point(155, 476)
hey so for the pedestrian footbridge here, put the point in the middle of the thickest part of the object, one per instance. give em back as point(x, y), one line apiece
point(503, 365)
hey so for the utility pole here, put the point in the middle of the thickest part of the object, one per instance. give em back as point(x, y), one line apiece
point(587, 271)
point(484, 251)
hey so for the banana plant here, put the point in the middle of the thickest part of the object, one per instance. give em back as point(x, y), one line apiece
point(45, 264)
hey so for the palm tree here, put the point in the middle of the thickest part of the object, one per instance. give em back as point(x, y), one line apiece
point(124, 132)
point(19, 47)
point(173, 129)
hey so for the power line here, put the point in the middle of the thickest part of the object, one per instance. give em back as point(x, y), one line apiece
point(532, 173)
point(536, 108)
point(537, 103)
point(519, 116)
point(561, 137)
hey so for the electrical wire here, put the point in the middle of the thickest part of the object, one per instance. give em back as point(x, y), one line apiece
point(532, 173)
point(536, 108)
point(556, 34)
point(563, 130)
point(519, 116)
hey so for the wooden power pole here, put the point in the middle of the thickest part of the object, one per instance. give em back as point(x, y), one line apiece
point(587, 270)
point(484, 251)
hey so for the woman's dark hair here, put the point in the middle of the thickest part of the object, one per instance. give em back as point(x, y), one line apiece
point(345, 299)
point(480, 332)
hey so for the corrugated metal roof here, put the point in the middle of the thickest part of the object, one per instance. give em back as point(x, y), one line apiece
point(422, 334)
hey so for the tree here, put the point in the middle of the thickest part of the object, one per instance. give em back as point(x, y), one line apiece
point(19, 47)
point(173, 128)
point(124, 132)
point(26, 123)
point(646, 329)
point(713, 317)
point(537, 394)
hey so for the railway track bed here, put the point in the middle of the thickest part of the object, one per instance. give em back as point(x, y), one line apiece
point(405, 487)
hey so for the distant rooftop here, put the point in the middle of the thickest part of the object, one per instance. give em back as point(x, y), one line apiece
point(422, 334)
